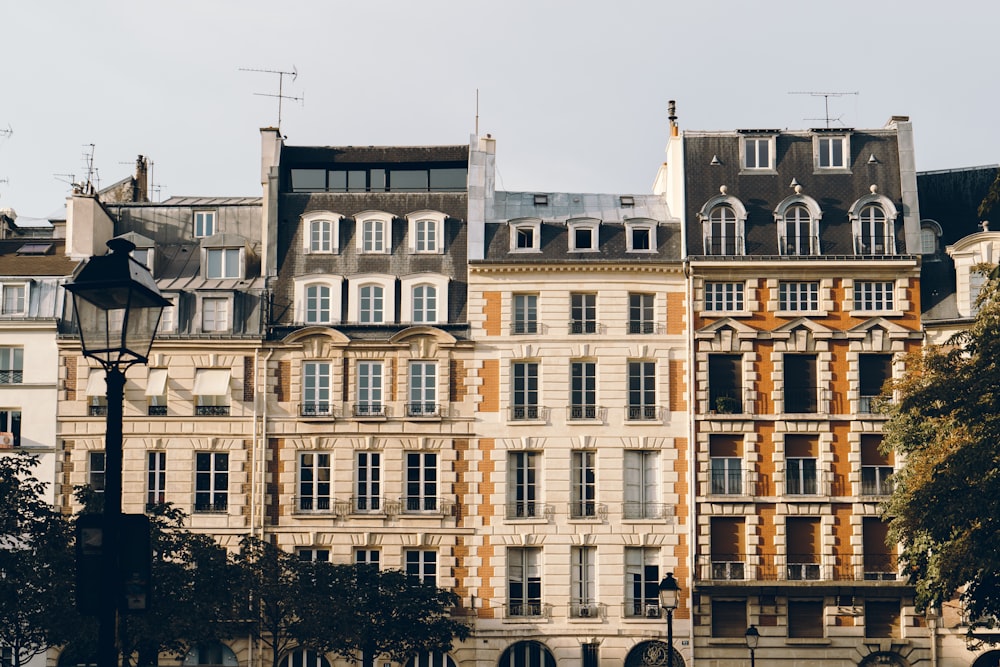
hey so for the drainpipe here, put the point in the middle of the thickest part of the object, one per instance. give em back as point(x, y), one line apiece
point(932, 626)
point(692, 455)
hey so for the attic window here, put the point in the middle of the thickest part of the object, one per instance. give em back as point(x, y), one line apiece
point(627, 201)
point(34, 249)
point(541, 200)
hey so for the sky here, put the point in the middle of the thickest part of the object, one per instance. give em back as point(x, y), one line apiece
point(575, 92)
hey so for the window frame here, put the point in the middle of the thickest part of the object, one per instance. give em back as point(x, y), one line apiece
point(524, 582)
point(408, 310)
point(11, 364)
point(524, 479)
point(422, 388)
point(641, 304)
point(314, 482)
point(310, 221)
point(525, 383)
point(821, 152)
point(865, 227)
point(208, 312)
point(156, 477)
point(874, 296)
point(303, 314)
point(799, 296)
point(642, 397)
point(21, 303)
point(373, 233)
point(524, 313)
point(367, 482)
point(802, 476)
point(370, 388)
point(422, 483)
point(641, 496)
point(634, 225)
point(431, 237)
point(591, 226)
point(211, 487)
point(422, 564)
point(725, 296)
point(583, 313)
point(525, 235)
point(583, 484)
point(203, 223)
point(583, 389)
point(356, 285)
point(317, 387)
point(642, 579)
point(10, 422)
point(232, 261)
point(583, 582)
point(757, 141)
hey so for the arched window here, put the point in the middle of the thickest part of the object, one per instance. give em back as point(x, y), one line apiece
point(304, 658)
point(527, 654)
point(722, 238)
point(210, 654)
point(318, 304)
point(874, 237)
point(797, 237)
point(425, 304)
point(321, 236)
point(431, 659)
point(652, 654)
point(371, 307)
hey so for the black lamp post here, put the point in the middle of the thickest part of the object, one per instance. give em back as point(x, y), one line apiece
point(670, 593)
point(752, 637)
point(117, 307)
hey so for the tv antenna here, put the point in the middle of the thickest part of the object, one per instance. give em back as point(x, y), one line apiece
point(281, 83)
point(826, 103)
point(6, 133)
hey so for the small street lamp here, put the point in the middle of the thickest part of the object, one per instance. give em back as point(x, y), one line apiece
point(752, 636)
point(117, 307)
point(669, 598)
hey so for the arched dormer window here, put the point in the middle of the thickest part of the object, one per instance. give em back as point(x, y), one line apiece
point(640, 235)
point(722, 220)
point(930, 237)
point(318, 299)
point(372, 299)
point(426, 232)
point(797, 219)
point(321, 232)
point(373, 232)
point(873, 218)
point(525, 235)
point(424, 298)
point(584, 234)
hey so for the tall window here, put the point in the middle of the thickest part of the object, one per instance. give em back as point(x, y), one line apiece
point(876, 236)
point(372, 304)
point(423, 389)
point(156, 478)
point(11, 365)
point(801, 383)
point(425, 304)
point(367, 557)
point(318, 301)
point(525, 314)
point(316, 379)
point(211, 482)
point(641, 489)
point(315, 481)
point(10, 427)
point(524, 581)
point(370, 379)
point(368, 482)
point(728, 550)
point(204, 223)
point(14, 300)
point(223, 263)
point(880, 561)
point(876, 467)
point(874, 371)
point(96, 467)
point(805, 618)
point(524, 400)
point(321, 236)
point(642, 581)
point(874, 295)
point(522, 485)
point(426, 240)
point(582, 593)
point(726, 458)
point(724, 297)
point(803, 543)
point(798, 296)
point(583, 313)
point(422, 564)
point(313, 555)
point(729, 618)
point(583, 390)
point(722, 232)
point(797, 236)
point(641, 318)
point(373, 236)
point(882, 618)
point(421, 481)
point(583, 485)
point(801, 455)
point(641, 390)
point(214, 314)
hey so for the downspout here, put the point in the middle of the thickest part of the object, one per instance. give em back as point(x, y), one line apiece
point(692, 455)
point(932, 625)
point(261, 483)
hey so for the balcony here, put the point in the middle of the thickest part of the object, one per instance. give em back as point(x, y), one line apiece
point(11, 377)
point(529, 509)
point(97, 410)
point(371, 410)
point(321, 505)
point(520, 413)
point(211, 410)
point(647, 608)
point(587, 509)
point(866, 245)
point(524, 328)
point(423, 410)
point(798, 246)
point(156, 410)
point(585, 327)
point(217, 506)
point(791, 568)
point(375, 505)
point(422, 505)
point(642, 413)
point(530, 609)
point(316, 409)
point(723, 245)
point(584, 412)
point(644, 327)
point(586, 610)
point(644, 510)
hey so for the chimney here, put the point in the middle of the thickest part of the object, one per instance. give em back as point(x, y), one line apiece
point(140, 184)
point(672, 117)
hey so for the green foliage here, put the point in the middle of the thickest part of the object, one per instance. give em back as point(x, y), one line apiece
point(945, 508)
point(991, 198)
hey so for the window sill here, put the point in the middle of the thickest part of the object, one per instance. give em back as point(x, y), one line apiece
point(807, 641)
point(828, 171)
point(750, 171)
point(725, 313)
point(875, 313)
point(728, 641)
point(799, 313)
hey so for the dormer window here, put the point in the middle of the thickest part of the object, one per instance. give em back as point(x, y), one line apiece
point(873, 218)
point(426, 232)
point(372, 299)
point(317, 299)
point(930, 234)
point(223, 263)
point(14, 299)
point(321, 232)
point(832, 151)
point(798, 219)
point(373, 233)
point(525, 235)
point(757, 152)
point(204, 223)
point(640, 236)
point(583, 235)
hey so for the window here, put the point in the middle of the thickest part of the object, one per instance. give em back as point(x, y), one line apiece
point(210, 654)
point(758, 152)
point(522, 485)
point(97, 393)
point(10, 427)
point(524, 581)
point(156, 478)
point(373, 236)
point(527, 654)
point(723, 235)
point(801, 454)
point(641, 317)
point(796, 237)
point(321, 236)
point(728, 551)
point(423, 389)
point(156, 392)
point(211, 389)
point(11, 365)
point(803, 542)
point(425, 304)
point(525, 314)
point(805, 618)
point(14, 301)
point(211, 482)
point(525, 236)
point(640, 236)
point(379, 179)
point(641, 490)
point(524, 399)
point(641, 390)
point(879, 558)
point(801, 383)
point(312, 555)
point(583, 485)
point(204, 223)
point(316, 381)
point(168, 319)
point(724, 297)
point(726, 459)
point(372, 306)
point(882, 618)
point(315, 481)
point(583, 390)
point(426, 240)
point(422, 564)
point(642, 581)
point(223, 263)
point(583, 236)
point(96, 466)
point(368, 482)
point(876, 467)
point(977, 279)
point(874, 371)
point(214, 314)
point(431, 659)
point(729, 618)
point(831, 152)
point(875, 236)
point(367, 557)
point(421, 482)
point(874, 296)
point(930, 231)
point(583, 313)
point(583, 584)
point(369, 400)
point(426, 231)
point(798, 296)
point(318, 302)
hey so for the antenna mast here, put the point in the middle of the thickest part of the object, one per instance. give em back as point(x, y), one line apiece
point(826, 103)
point(281, 82)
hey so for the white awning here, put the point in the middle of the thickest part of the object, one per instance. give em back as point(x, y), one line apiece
point(96, 386)
point(211, 382)
point(156, 384)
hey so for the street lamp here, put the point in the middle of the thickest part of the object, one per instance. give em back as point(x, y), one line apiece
point(752, 637)
point(670, 592)
point(117, 307)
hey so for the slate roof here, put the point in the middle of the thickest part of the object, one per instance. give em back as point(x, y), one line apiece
point(54, 263)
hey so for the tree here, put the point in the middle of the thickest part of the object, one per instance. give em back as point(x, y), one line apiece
point(36, 562)
point(945, 508)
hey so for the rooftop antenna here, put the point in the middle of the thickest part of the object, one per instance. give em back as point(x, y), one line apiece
point(477, 112)
point(281, 83)
point(826, 103)
point(6, 133)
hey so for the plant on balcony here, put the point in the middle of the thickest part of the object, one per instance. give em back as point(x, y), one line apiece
point(725, 405)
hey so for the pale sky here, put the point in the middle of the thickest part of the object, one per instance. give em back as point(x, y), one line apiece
point(575, 92)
